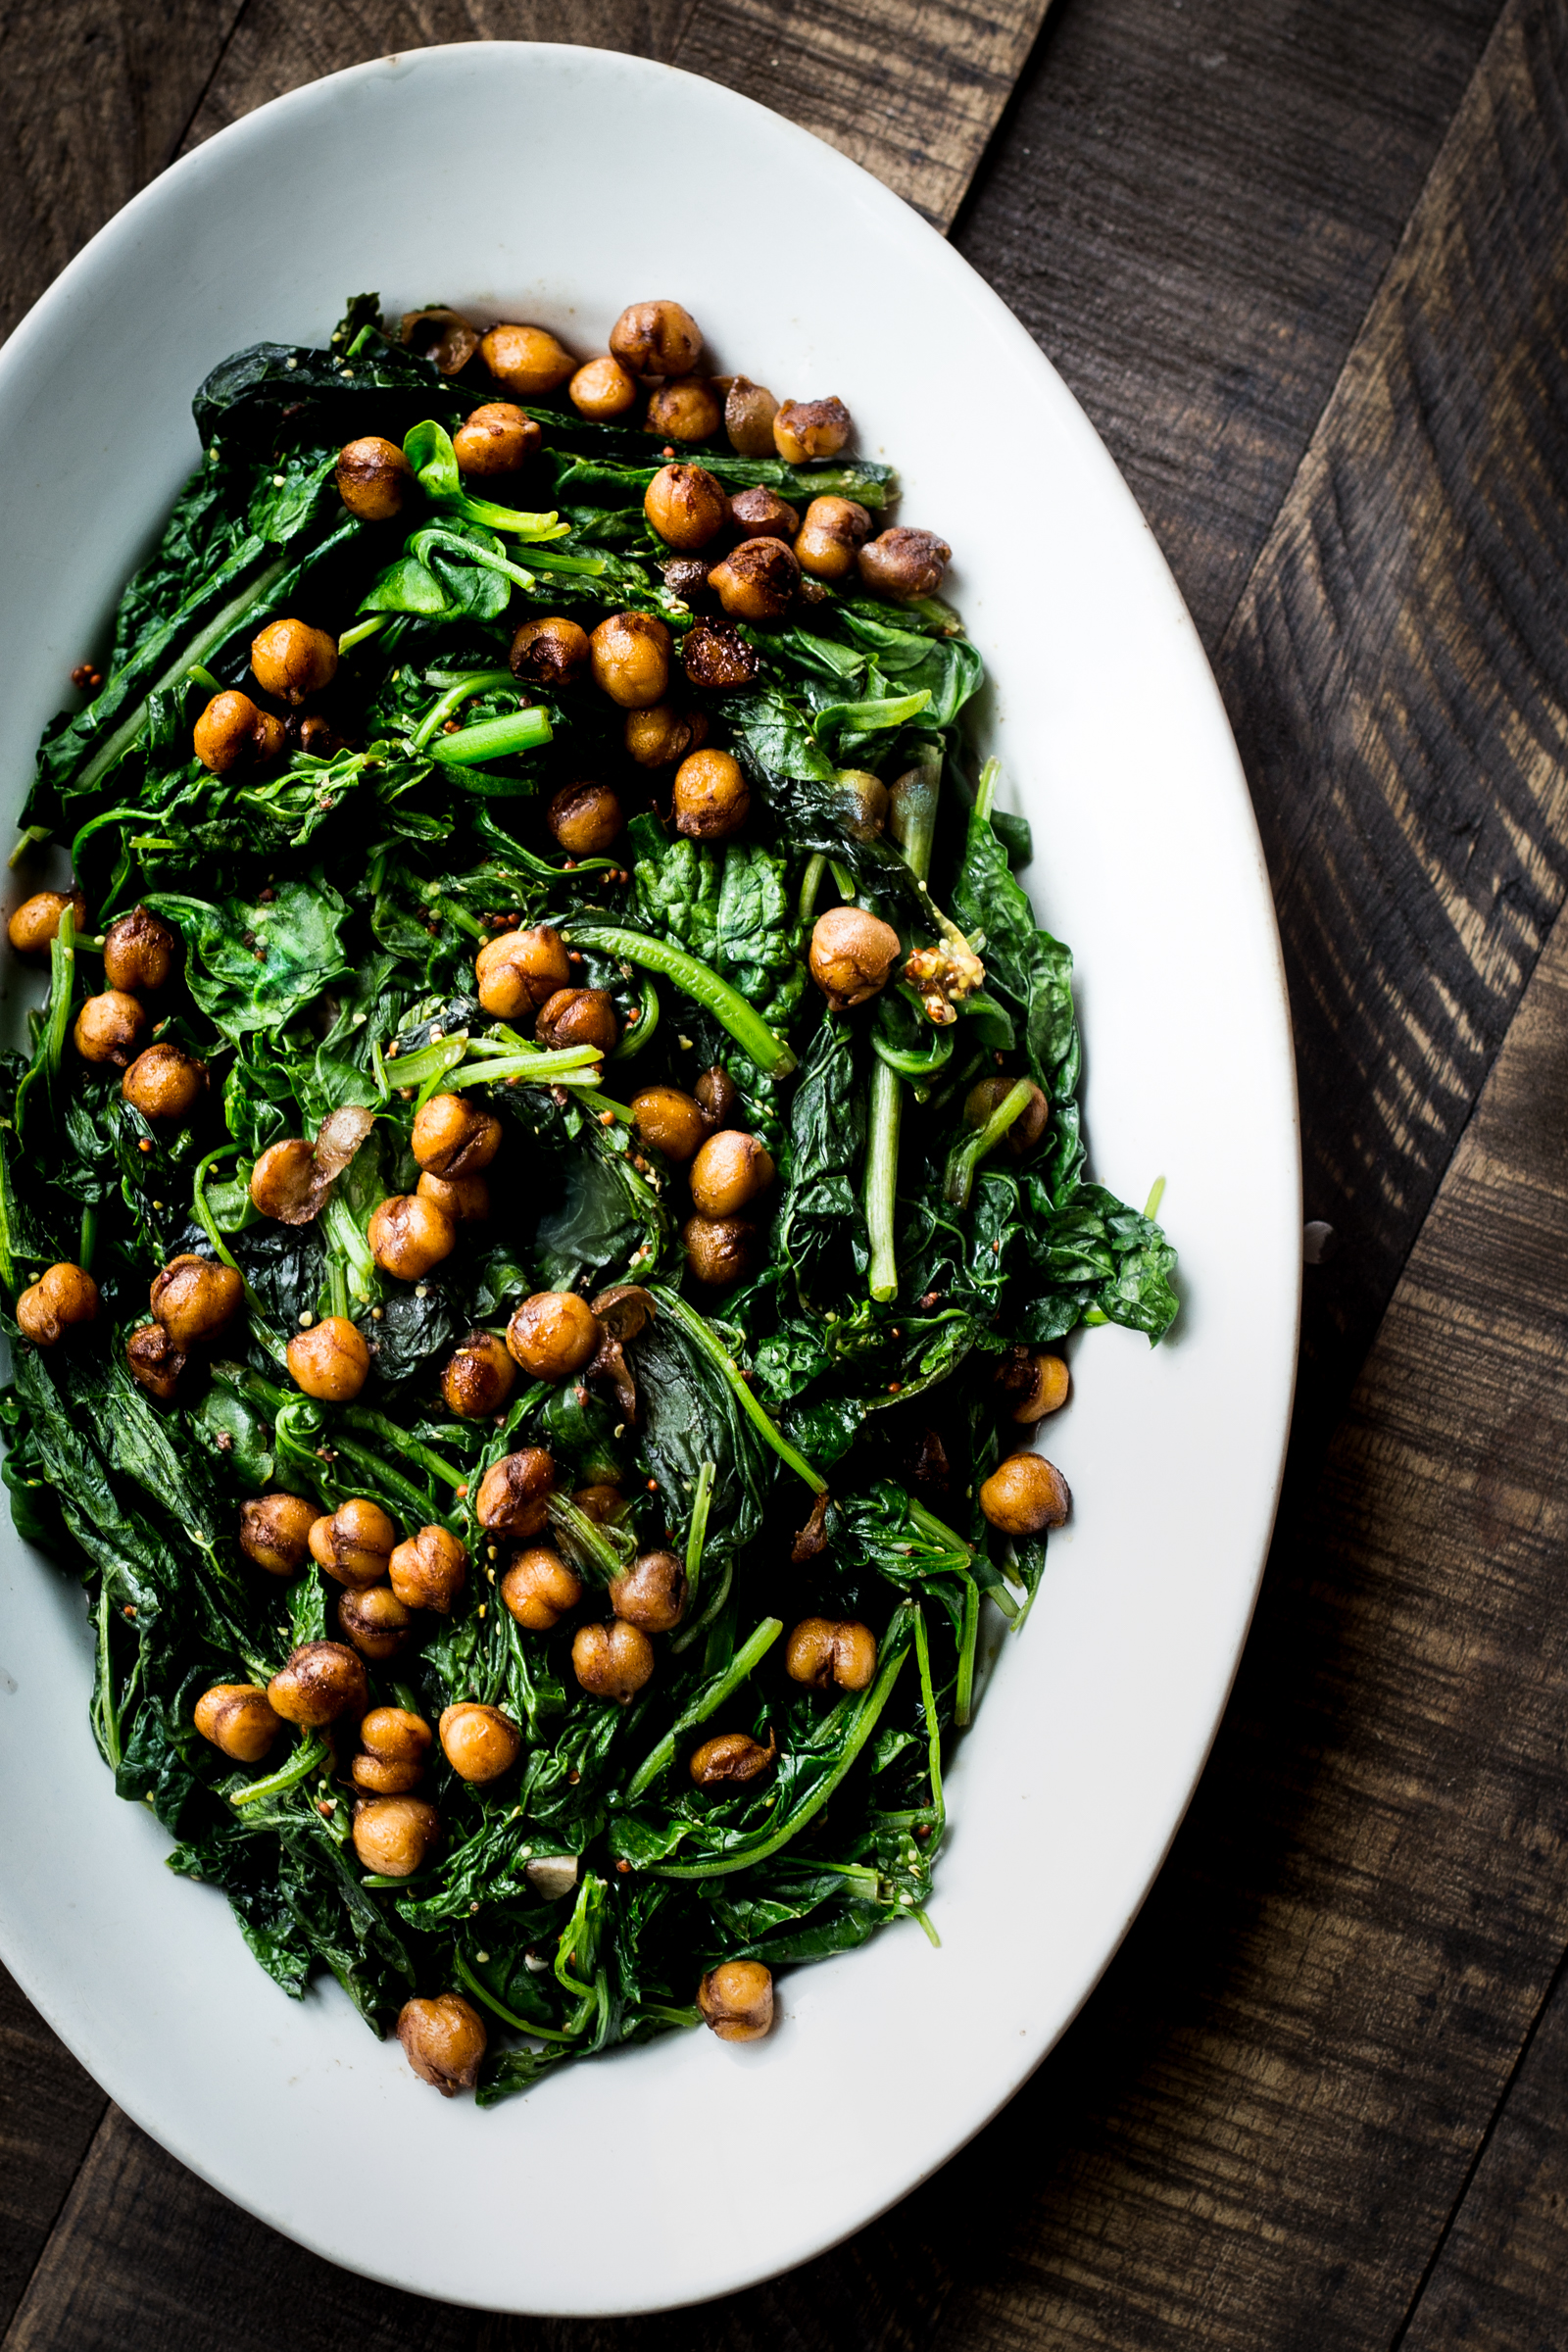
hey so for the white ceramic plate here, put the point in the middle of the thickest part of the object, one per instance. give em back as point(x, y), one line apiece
point(557, 184)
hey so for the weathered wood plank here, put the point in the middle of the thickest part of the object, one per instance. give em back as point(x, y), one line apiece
point(49, 2111)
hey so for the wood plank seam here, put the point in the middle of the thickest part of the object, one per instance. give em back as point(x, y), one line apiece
point(42, 2256)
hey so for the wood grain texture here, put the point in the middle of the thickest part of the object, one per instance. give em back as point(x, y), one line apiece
point(49, 2111)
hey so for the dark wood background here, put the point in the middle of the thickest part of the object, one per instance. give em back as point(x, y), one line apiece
point(1307, 269)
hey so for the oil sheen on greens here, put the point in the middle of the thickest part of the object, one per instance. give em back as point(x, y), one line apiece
point(330, 910)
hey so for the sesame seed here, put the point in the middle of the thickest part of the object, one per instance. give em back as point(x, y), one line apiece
point(305, 1320)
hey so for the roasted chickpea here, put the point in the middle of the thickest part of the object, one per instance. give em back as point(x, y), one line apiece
point(375, 1621)
point(686, 506)
point(514, 1493)
point(465, 1199)
point(612, 1661)
point(748, 413)
point(578, 1017)
point(833, 530)
point(811, 428)
point(293, 660)
point(539, 1589)
point(585, 818)
point(668, 1121)
point(195, 1299)
point(164, 1083)
point(757, 580)
point(904, 563)
point(1034, 1382)
point(429, 1570)
point(553, 1335)
point(66, 1296)
point(373, 478)
point(237, 1718)
point(730, 1171)
point(409, 1235)
point(686, 409)
point(736, 2001)
point(375, 1779)
point(516, 972)
point(527, 359)
point(154, 1362)
point(284, 1181)
point(604, 1505)
point(652, 1593)
point(553, 653)
point(662, 735)
point(110, 1028)
point(397, 1745)
point(630, 653)
point(443, 337)
point(1029, 1125)
point(601, 388)
point(322, 1681)
point(454, 1137)
point(719, 1250)
point(354, 1544)
point(686, 576)
point(140, 952)
point(1026, 1495)
point(331, 1361)
point(274, 1531)
point(479, 1744)
point(825, 1650)
point(232, 733)
point(443, 2040)
point(37, 922)
point(711, 797)
point(716, 655)
point(718, 1095)
point(495, 438)
point(479, 1374)
point(395, 1836)
point(852, 955)
point(657, 338)
point(863, 802)
point(731, 1760)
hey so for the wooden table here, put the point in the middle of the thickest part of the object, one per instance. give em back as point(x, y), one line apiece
point(1308, 268)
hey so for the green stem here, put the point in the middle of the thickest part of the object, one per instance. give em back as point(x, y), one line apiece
point(965, 1156)
point(361, 632)
point(393, 1482)
point(810, 884)
point(697, 1533)
point(52, 1039)
point(106, 1685)
point(300, 1766)
point(704, 1705)
point(493, 737)
point(89, 1237)
point(912, 811)
point(882, 1177)
point(376, 1424)
point(727, 1005)
point(710, 1614)
point(985, 792)
point(928, 1700)
point(639, 1033)
point(523, 2024)
point(963, 1693)
point(463, 690)
point(590, 1545)
point(719, 1356)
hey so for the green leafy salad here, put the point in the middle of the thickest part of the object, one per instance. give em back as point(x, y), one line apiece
point(544, 1198)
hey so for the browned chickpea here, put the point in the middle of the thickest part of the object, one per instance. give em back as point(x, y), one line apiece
point(538, 1589)
point(736, 2001)
point(66, 1296)
point(825, 1650)
point(601, 388)
point(232, 733)
point(811, 428)
point(527, 359)
point(686, 506)
point(686, 576)
point(154, 1362)
point(274, 1531)
point(375, 1778)
point(711, 797)
point(904, 563)
point(585, 818)
point(331, 1361)
point(731, 1760)
point(375, 1621)
point(164, 1083)
point(1026, 1495)
point(719, 1096)
point(454, 1137)
point(552, 653)
point(516, 972)
point(748, 413)
point(730, 1171)
point(852, 955)
point(429, 1570)
point(293, 660)
point(283, 1182)
point(373, 478)
point(716, 655)
point(110, 1028)
point(140, 952)
point(578, 1017)
point(397, 1745)
point(322, 1681)
point(1029, 1125)
point(237, 1718)
point(757, 580)
point(195, 1300)
point(652, 1593)
point(719, 1250)
point(612, 1661)
point(443, 2040)
point(657, 338)
point(395, 1836)
point(759, 514)
point(630, 654)
point(36, 921)
point(479, 1744)
point(354, 1544)
point(686, 409)
point(553, 1335)
point(668, 1121)
point(1034, 1384)
point(479, 1374)
point(495, 438)
point(833, 530)
point(465, 1199)
point(659, 736)
point(443, 337)
point(514, 1493)
point(409, 1235)
point(604, 1505)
